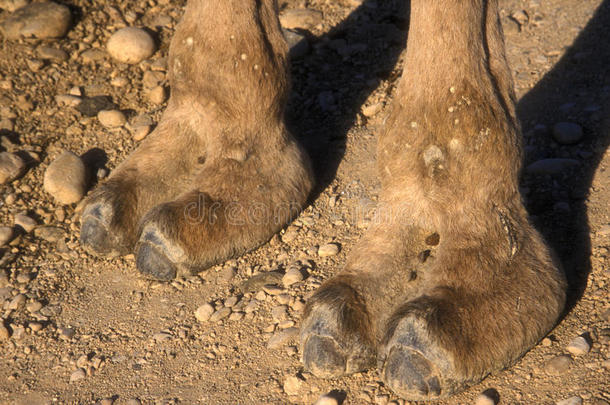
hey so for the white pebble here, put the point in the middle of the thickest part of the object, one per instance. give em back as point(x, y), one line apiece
point(77, 375)
point(291, 277)
point(330, 249)
point(292, 385)
point(66, 178)
point(579, 346)
point(326, 400)
point(131, 45)
point(204, 312)
point(111, 118)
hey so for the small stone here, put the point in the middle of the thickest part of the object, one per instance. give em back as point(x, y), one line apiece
point(4, 333)
point(567, 133)
point(575, 400)
point(371, 109)
point(111, 118)
point(297, 43)
point(227, 274)
point(251, 307)
point(558, 365)
point(279, 313)
point(140, 132)
point(292, 385)
point(66, 178)
point(161, 336)
point(35, 326)
point(50, 233)
point(131, 45)
point(133, 402)
point(221, 314)
point(204, 312)
point(289, 236)
point(33, 306)
point(25, 222)
point(551, 166)
point(11, 167)
point(52, 54)
point(93, 55)
point(282, 337)
point(40, 20)
point(78, 374)
point(106, 401)
point(231, 302)
point(66, 333)
point(546, 342)
point(483, 399)
point(326, 399)
point(67, 100)
point(330, 249)
point(17, 302)
point(287, 324)
point(579, 346)
point(300, 18)
point(157, 95)
point(292, 276)
point(258, 281)
point(6, 235)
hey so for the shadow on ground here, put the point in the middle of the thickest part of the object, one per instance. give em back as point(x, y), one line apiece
point(577, 89)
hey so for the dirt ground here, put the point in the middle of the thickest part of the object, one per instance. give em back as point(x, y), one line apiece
point(85, 329)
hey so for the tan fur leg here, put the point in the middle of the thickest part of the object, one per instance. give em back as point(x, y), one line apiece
point(229, 76)
point(221, 149)
point(449, 157)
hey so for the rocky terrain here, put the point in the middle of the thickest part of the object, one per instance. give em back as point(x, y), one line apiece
point(82, 82)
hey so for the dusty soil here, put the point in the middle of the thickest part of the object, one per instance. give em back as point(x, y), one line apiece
point(91, 329)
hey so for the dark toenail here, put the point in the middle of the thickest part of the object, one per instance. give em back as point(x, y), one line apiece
point(94, 234)
point(321, 357)
point(153, 263)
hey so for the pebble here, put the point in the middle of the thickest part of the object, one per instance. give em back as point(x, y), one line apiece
point(558, 365)
point(157, 95)
point(579, 346)
point(78, 374)
point(28, 224)
point(567, 133)
point(4, 333)
point(330, 249)
point(204, 312)
point(66, 333)
point(67, 100)
point(6, 235)
point(483, 399)
point(221, 314)
point(282, 337)
point(292, 385)
point(279, 313)
point(50, 233)
point(292, 276)
point(11, 167)
point(300, 18)
point(227, 274)
point(326, 399)
point(52, 54)
point(231, 302)
point(140, 132)
point(575, 400)
point(258, 281)
point(111, 118)
point(17, 302)
point(551, 166)
point(131, 45)
point(39, 20)
point(133, 402)
point(33, 306)
point(297, 43)
point(66, 178)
